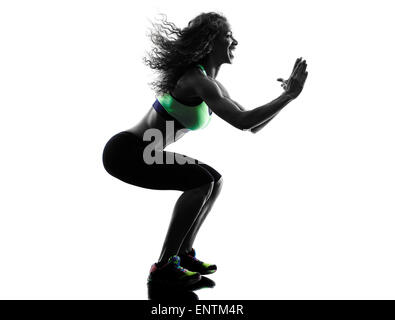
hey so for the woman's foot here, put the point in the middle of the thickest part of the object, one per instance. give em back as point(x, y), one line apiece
point(190, 262)
point(172, 274)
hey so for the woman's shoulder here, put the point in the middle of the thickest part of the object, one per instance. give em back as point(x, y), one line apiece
point(190, 77)
point(196, 83)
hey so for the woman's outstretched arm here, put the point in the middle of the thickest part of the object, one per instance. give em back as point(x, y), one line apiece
point(253, 129)
point(230, 111)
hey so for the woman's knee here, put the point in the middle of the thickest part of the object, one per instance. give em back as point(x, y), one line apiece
point(217, 186)
point(209, 188)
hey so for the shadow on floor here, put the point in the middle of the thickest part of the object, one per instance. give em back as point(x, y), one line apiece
point(168, 293)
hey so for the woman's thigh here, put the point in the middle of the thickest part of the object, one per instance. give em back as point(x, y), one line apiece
point(123, 158)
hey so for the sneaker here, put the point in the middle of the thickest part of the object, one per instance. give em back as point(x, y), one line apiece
point(172, 274)
point(190, 262)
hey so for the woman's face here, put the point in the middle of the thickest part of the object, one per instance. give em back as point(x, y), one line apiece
point(224, 45)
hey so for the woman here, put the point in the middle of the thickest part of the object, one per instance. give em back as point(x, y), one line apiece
point(188, 93)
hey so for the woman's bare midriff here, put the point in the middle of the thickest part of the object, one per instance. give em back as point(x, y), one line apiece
point(153, 120)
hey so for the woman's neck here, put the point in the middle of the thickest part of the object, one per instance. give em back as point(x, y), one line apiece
point(211, 67)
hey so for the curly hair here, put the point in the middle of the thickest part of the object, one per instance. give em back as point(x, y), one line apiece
point(175, 50)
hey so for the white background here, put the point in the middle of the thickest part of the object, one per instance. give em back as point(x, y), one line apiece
point(307, 208)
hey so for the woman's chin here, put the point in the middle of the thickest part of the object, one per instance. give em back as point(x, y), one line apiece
point(230, 57)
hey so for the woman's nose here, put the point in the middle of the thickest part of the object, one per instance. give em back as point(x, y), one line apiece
point(234, 42)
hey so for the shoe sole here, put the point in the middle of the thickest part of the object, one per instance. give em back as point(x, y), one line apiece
point(208, 272)
point(202, 272)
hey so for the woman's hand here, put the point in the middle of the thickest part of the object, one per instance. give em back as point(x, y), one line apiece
point(294, 85)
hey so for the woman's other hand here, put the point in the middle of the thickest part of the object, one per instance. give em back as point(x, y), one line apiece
point(294, 85)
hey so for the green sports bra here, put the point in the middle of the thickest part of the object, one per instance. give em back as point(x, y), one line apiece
point(191, 117)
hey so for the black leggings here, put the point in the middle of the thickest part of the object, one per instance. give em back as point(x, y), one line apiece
point(123, 159)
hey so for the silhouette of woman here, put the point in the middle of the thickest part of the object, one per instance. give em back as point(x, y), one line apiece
point(188, 61)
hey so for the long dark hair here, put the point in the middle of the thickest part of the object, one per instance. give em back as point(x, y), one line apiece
point(175, 50)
